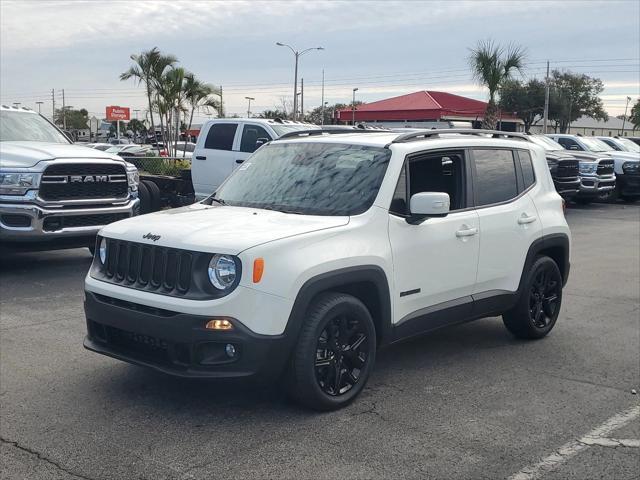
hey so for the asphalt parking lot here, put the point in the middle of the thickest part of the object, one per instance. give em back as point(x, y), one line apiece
point(465, 402)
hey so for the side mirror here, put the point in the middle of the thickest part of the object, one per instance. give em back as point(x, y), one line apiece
point(428, 204)
point(261, 141)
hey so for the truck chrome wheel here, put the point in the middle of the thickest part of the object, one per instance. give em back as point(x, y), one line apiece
point(341, 354)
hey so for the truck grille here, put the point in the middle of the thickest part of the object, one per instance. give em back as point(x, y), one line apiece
point(77, 181)
point(51, 224)
point(147, 267)
point(605, 167)
point(568, 168)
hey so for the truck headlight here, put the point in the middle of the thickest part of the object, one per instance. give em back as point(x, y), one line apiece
point(222, 271)
point(631, 168)
point(133, 177)
point(588, 167)
point(15, 183)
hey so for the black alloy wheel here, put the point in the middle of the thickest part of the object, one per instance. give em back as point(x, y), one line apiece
point(334, 354)
point(538, 306)
point(342, 352)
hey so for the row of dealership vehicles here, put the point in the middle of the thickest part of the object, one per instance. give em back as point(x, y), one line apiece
point(54, 194)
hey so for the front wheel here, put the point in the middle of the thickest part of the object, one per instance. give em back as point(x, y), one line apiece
point(538, 307)
point(335, 353)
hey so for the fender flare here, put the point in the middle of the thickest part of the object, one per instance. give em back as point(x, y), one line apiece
point(555, 240)
point(336, 280)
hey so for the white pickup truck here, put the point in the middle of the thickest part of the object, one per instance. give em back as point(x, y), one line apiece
point(54, 194)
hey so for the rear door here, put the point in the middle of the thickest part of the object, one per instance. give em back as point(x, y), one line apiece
point(214, 157)
point(508, 218)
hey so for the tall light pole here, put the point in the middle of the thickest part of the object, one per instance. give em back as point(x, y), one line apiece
point(297, 54)
point(353, 107)
point(39, 108)
point(624, 119)
point(249, 106)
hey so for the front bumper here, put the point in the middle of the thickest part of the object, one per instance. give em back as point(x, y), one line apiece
point(47, 224)
point(628, 185)
point(567, 187)
point(177, 343)
point(595, 185)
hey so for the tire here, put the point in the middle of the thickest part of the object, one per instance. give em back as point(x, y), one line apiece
point(629, 199)
point(343, 326)
point(583, 200)
point(155, 201)
point(145, 198)
point(539, 304)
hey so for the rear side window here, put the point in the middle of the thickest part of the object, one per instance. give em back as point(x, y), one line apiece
point(568, 143)
point(250, 136)
point(527, 169)
point(495, 180)
point(220, 136)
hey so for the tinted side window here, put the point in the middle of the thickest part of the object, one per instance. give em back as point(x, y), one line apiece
point(220, 136)
point(495, 176)
point(250, 136)
point(527, 169)
point(567, 143)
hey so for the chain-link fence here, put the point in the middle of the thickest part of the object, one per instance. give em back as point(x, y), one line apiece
point(160, 165)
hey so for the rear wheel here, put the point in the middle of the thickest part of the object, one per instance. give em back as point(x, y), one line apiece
point(154, 195)
point(145, 198)
point(538, 307)
point(334, 354)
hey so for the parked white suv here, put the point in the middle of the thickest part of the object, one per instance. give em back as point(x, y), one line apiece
point(223, 144)
point(322, 248)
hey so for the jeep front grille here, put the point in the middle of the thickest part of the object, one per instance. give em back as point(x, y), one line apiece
point(77, 181)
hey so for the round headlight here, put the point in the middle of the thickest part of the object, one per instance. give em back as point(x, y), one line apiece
point(222, 271)
point(102, 251)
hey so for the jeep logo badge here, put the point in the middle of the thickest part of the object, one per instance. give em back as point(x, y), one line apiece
point(151, 236)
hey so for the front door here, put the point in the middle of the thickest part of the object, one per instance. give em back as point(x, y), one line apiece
point(434, 262)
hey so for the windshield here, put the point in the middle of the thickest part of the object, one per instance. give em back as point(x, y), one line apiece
point(546, 142)
point(308, 178)
point(629, 145)
point(28, 127)
point(281, 129)
point(596, 145)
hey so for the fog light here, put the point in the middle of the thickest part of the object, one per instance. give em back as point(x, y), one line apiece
point(219, 324)
point(230, 350)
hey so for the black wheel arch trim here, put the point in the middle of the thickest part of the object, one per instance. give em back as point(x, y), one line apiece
point(339, 281)
point(546, 242)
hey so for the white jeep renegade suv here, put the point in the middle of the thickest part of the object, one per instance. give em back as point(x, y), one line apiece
point(321, 248)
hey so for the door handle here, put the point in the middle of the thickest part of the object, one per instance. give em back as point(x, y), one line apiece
point(239, 161)
point(200, 157)
point(524, 219)
point(466, 232)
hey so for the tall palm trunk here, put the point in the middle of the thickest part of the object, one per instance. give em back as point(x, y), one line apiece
point(187, 136)
point(490, 120)
point(153, 126)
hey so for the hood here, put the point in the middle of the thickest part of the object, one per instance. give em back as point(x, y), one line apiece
point(623, 155)
point(586, 156)
point(217, 229)
point(27, 154)
point(558, 155)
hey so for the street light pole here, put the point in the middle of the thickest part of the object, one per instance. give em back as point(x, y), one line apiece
point(297, 54)
point(353, 107)
point(249, 106)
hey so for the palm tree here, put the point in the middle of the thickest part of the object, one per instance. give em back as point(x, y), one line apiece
point(198, 95)
point(492, 65)
point(145, 68)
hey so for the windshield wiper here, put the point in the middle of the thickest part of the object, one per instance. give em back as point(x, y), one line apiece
point(280, 209)
point(218, 200)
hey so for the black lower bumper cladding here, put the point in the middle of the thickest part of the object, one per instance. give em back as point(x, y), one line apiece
point(179, 344)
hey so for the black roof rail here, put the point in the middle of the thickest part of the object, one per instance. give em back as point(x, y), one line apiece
point(326, 130)
point(426, 134)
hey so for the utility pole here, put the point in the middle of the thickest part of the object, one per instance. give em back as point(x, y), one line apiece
point(546, 103)
point(624, 119)
point(64, 113)
point(353, 107)
point(322, 101)
point(39, 107)
point(136, 112)
point(249, 106)
point(302, 99)
point(221, 111)
point(53, 105)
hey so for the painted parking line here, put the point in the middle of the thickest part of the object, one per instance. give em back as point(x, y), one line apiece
point(598, 436)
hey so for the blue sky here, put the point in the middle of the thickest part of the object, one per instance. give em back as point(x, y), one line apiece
point(383, 48)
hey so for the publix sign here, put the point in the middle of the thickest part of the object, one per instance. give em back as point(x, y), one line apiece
point(117, 113)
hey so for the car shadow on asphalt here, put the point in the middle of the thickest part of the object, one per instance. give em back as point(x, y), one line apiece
point(53, 262)
point(164, 395)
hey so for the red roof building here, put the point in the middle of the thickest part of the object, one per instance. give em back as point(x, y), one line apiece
point(424, 106)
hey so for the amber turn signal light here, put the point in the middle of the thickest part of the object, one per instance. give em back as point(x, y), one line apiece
point(258, 269)
point(219, 324)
